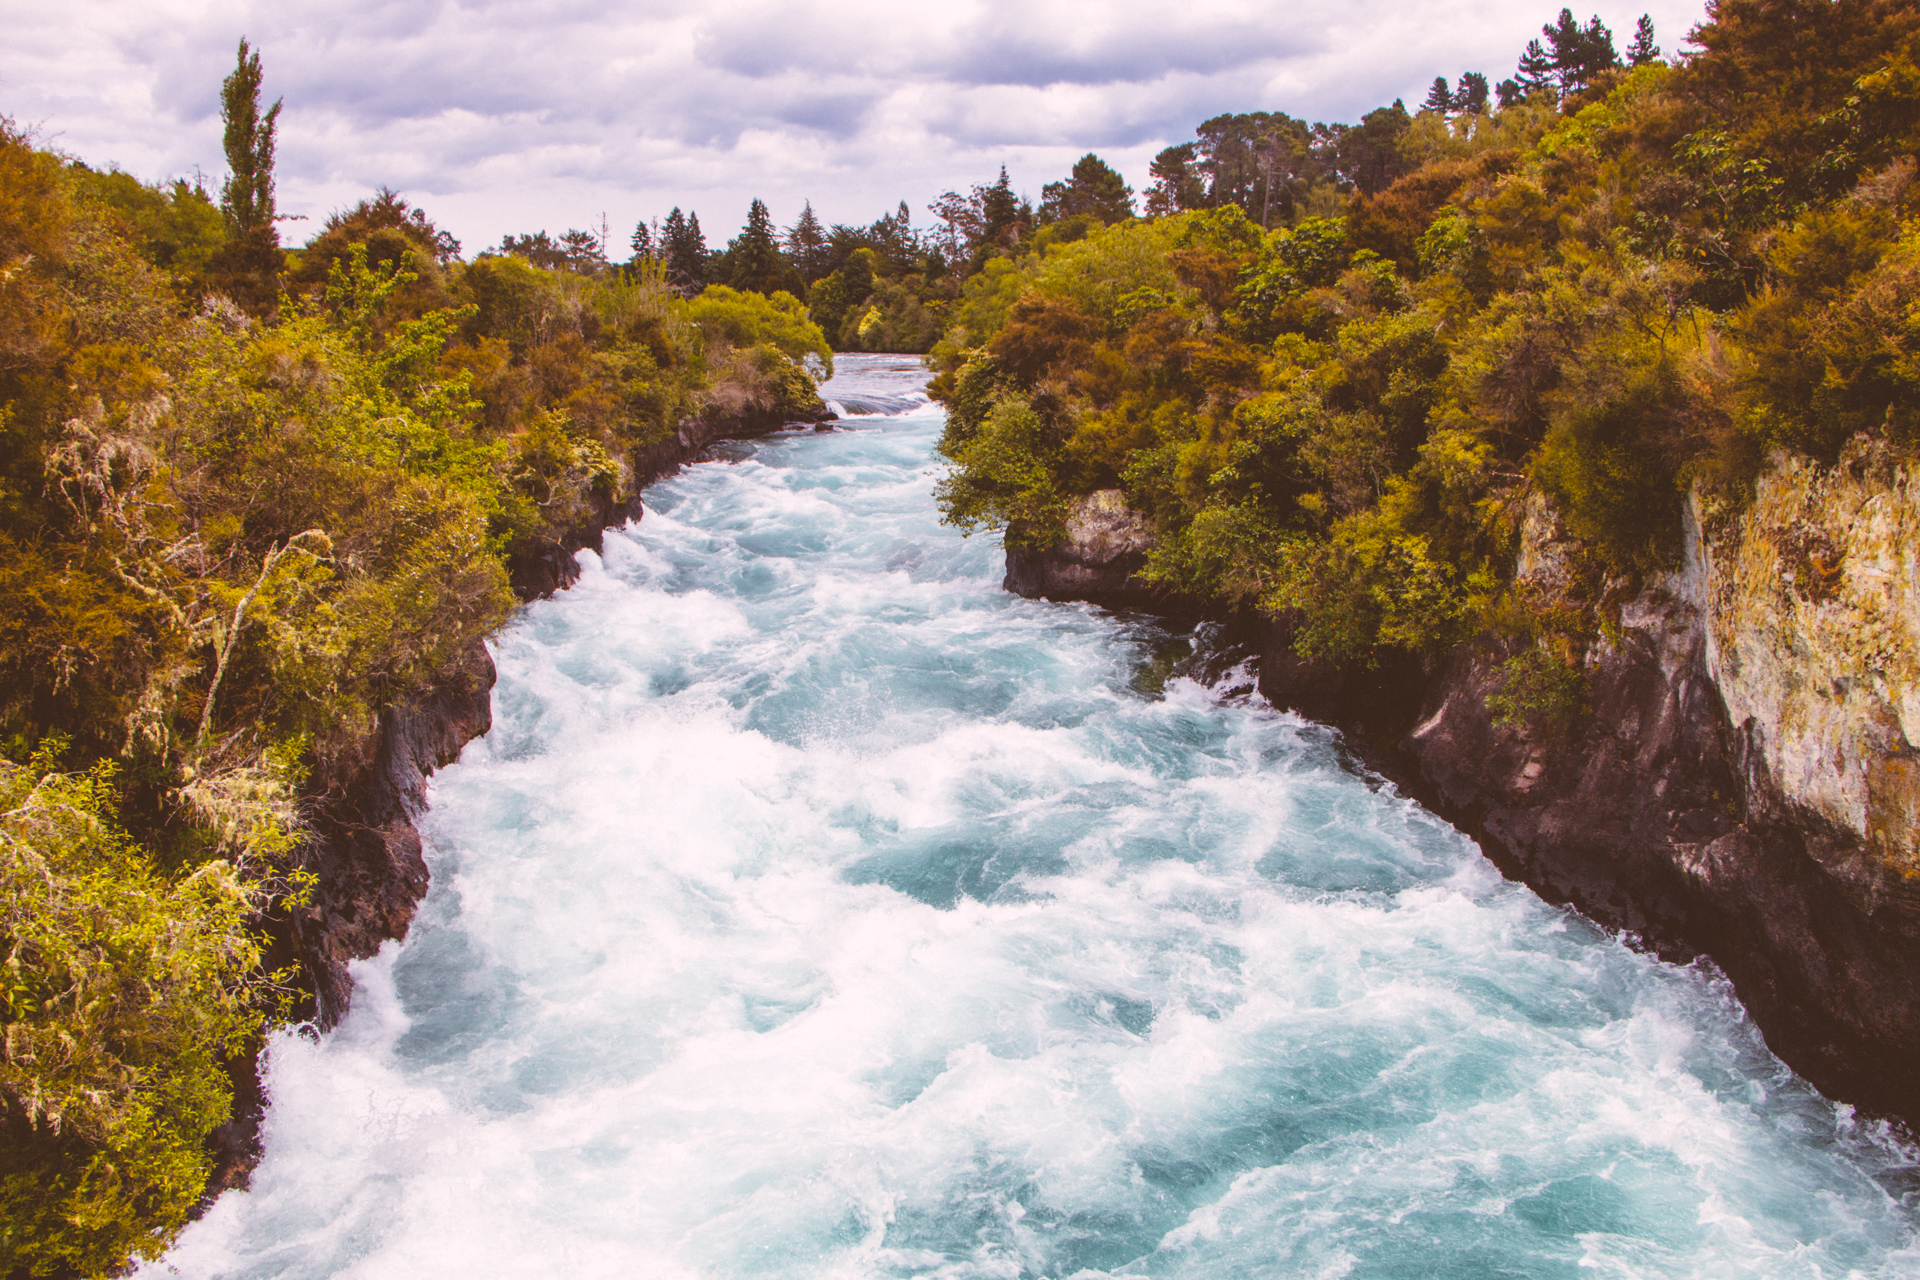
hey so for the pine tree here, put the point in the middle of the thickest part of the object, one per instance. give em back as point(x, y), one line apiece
point(1535, 71)
point(1472, 94)
point(581, 252)
point(645, 241)
point(1643, 50)
point(1439, 97)
point(1177, 182)
point(999, 211)
point(807, 245)
point(754, 255)
point(1580, 55)
point(685, 250)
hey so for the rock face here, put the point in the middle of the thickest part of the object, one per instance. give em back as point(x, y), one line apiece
point(1743, 785)
point(1099, 558)
point(1813, 600)
point(365, 852)
point(1659, 814)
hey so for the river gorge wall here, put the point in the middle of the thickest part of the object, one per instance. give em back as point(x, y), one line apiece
point(1742, 785)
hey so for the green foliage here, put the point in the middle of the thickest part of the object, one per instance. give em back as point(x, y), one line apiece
point(1538, 690)
point(1004, 475)
point(176, 227)
point(1233, 554)
point(1093, 190)
point(742, 319)
point(891, 318)
point(1372, 585)
point(754, 257)
point(123, 993)
point(1833, 347)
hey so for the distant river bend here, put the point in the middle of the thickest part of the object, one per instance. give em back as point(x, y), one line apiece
point(817, 909)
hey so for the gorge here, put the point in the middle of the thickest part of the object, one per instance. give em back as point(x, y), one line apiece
point(813, 906)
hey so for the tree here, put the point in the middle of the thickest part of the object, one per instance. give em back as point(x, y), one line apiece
point(1368, 153)
point(541, 249)
point(961, 223)
point(246, 197)
point(1471, 96)
point(895, 240)
point(584, 251)
point(1177, 182)
point(685, 250)
point(1093, 189)
point(1534, 73)
point(754, 255)
point(249, 263)
point(1643, 50)
point(1578, 57)
point(999, 212)
point(807, 245)
point(645, 240)
point(1439, 96)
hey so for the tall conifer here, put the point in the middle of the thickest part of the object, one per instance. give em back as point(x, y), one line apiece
point(1643, 50)
point(247, 267)
point(807, 245)
point(754, 255)
point(685, 250)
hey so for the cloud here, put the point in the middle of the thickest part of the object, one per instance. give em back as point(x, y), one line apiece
point(502, 116)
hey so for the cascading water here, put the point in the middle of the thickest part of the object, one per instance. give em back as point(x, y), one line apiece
point(816, 909)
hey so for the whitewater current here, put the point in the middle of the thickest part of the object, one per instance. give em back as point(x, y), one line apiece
point(817, 909)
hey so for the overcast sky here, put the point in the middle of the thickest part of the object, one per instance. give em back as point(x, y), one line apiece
point(499, 117)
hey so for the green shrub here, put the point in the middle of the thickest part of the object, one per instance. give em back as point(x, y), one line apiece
point(123, 994)
point(1540, 690)
point(751, 319)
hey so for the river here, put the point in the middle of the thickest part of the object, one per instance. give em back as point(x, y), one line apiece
point(817, 909)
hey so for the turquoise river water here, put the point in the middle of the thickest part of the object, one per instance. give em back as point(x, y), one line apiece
point(817, 909)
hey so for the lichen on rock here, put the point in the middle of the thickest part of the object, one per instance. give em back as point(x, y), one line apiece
point(1814, 599)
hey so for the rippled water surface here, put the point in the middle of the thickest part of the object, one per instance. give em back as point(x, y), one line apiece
point(816, 909)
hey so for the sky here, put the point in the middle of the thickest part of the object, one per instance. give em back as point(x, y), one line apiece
point(502, 117)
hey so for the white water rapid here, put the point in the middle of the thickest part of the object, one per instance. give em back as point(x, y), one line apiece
point(817, 909)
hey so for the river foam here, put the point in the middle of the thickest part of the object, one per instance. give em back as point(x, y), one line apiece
point(816, 909)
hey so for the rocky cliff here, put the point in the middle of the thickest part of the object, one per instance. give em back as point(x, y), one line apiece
point(1741, 783)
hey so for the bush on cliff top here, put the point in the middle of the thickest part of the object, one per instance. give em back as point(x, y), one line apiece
point(1606, 299)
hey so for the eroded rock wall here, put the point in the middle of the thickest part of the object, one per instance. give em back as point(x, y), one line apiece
point(1813, 601)
point(1658, 813)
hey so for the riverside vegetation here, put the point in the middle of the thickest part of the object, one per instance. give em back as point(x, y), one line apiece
point(1632, 278)
point(254, 497)
point(248, 499)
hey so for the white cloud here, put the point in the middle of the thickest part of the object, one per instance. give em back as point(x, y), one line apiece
point(499, 116)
